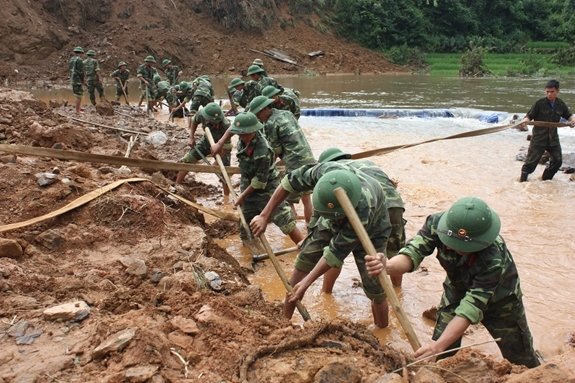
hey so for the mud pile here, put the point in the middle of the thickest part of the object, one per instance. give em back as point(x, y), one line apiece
point(130, 287)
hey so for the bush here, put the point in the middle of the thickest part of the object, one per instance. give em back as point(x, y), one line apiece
point(404, 55)
point(564, 57)
point(532, 64)
point(472, 61)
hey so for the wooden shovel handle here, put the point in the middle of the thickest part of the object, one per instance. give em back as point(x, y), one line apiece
point(353, 218)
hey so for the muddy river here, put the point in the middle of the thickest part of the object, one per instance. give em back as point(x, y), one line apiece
point(537, 217)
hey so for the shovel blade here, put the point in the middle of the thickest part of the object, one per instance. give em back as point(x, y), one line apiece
point(254, 245)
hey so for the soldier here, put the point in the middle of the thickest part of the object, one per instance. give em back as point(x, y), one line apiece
point(282, 101)
point(255, 72)
point(482, 284)
point(395, 208)
point(92, 72)
point(260, 177)
point(211, 117)
point(330, 235)
point(146, 73)
point(260, 63)
point(121, 76)
point(172, 72)
point(203, 93)
point(76, 68)
point(250, 90)
point(184, 93)
point(163, 89)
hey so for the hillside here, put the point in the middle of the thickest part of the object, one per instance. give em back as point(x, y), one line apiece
point(202, 37)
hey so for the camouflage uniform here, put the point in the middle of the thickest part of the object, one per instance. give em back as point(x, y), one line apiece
point(288, 103)
point(203, 95)
point(203, 146)
point(163, 87)
point(395, 205)
point(269, 81)
point(123, 78)
point(258, 169)
point(172, 75)
point(91, 66)
point(481, 287)
point(251, 90)
point(148, 74)
point(237, 96)
point(335, 239)
point(76, 68)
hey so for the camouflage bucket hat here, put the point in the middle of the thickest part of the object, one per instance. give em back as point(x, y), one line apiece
point(78, 50)
point(325, 203)
point(91, 53)
point(259, 103)
point(270, 91)
point(150, 59)
point(333, 154)
point(166, 62)
point(237, 81)
point(254, 69)
point(469, 225)
point(212, 112)
point(122, 64)
point(258, 62)
point(246, 123)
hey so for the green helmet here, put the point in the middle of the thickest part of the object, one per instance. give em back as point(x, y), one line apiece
point(270, 91)
point(205, 77)
point(469, 225)
point(91, 53)
point(78, 50)
point(254, 69)
point(333, 154)
point(166, 62)
point(150, 59)
point(122, 64)
point(246, 123)
point(232, 89)
point(259, 103)
point(258, 62)
point(185, 86)
point(325, 203)
point(212, 112)
point(157, 78)
point(237, 81)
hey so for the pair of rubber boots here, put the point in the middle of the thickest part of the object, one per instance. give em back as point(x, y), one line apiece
point(544, 177)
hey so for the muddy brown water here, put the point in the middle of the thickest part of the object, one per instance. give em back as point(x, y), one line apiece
point(537, 217)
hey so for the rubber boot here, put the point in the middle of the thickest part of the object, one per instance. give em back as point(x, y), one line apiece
point(546, 176)
point(523, 177)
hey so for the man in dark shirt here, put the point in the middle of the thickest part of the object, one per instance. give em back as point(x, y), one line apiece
point(549, 109)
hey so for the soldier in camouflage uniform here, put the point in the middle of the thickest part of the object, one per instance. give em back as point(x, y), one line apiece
point(76, 68)
point(260, 177)
point(211, 117)
point(172, 71)
point(287, 141)
point(395, 207)
point(121, 76)
point(330, 235)
point(203, 93)
point(93, 80)
point(250, 90)
point(482, 283)
point(260, 63)
point(162, 88)
point(282, 101)
point(184, 93)
point(255, 72)
point(146, 73)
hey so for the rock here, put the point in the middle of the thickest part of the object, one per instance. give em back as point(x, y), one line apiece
point(338, 372)
point(56, 170)
point(45, 179)
point(58, 146)
point(106, 169)
point(134, 266)
point(157, 138)
point(185, 325)
point(114, 343)
point(18, 329)
point(10, 248)
point(5, 120)
point(74, 29)
point(26, 377)
point(9, 159)
point(104, 108)
point(30, 336)
point(141, 374)
point(425, 375)
point(50, 239)
point(157, 276)
point(69, 311)
point(124, 170)
point(159, 179)
point(155, 379)
point(214, 280)
point(389, 378)
point(54, 103)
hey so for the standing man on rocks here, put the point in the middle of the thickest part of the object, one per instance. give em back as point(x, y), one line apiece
point(550, 109)
point(92, 72)
point(146, 73)
point(76, 68)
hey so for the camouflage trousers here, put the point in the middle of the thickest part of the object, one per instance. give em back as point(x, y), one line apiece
point(202, 149)
point(93, 85)
point(535, 153)
point(77, 87)
point(119, 92)
point(312, 250)
point(283, 216)
point(197, 101)
point(396, 239)
point(506, 320)
point(152, 93)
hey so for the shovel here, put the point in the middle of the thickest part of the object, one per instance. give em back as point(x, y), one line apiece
point(251, 243)
point(150, 112)
point(124, 93)
point(383, 278)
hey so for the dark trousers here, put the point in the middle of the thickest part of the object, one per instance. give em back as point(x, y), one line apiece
point(535, 153)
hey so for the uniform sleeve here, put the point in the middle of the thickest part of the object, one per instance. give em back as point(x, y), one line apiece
point(262, 166)
point(566, 112)
point(423, 244)
point(302, 179)
point(341, 244)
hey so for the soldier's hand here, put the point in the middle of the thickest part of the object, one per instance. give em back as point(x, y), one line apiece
point(258, 225)
point(192, 142)
point(298, 291)
point(375, 264)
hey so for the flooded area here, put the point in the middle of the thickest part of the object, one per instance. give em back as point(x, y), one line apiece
point(537, 217)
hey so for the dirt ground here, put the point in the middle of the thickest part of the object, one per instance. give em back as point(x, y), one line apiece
point(143, 264)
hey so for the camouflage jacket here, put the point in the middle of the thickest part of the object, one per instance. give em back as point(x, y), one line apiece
point(147, 73)
point(541, 110)
point(251, 90)
point(391, 194)
point(216, 128)
point(204, 88)
point(371, 210)
point(258, 168)
point(475, 280)
point(163, 88)
point(91, 66)
point(172, 75)
point(288, 103)
point(269, 81)
point(76, 68)
point(287, 140)
point(237, 96)
point(122, 75)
